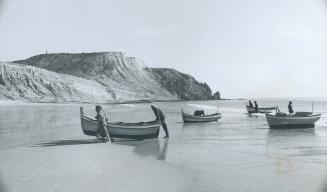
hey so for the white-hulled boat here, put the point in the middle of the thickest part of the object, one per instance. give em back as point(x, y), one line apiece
point(140, 130)
point(296, 120)
point(187, 118)
point(260, 109)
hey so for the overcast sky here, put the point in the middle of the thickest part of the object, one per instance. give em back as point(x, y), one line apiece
point(243, 48)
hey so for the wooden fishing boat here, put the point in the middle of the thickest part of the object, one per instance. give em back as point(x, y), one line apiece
point(260, 110)
point(296, 120)
point(187, 118)
point(141, 130)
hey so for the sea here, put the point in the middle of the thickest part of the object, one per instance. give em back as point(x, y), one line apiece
point(238, 153)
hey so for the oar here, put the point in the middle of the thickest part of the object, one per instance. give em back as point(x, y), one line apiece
point(107, 127)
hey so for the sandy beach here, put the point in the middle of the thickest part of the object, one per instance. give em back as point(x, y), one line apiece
point(49, 152)
point(84, 165)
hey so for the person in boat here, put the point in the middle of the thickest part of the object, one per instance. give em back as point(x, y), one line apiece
point(256, 106)
point(250, 103)
point(199, 113)
point(102, 131)
point(160, 116)
point(290, 107)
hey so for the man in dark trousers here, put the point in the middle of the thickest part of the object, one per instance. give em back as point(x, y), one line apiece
point(161, 117)
point(102, 124)
point(256, 106)
point(290, 107)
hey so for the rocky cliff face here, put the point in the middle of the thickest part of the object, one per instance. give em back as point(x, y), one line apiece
point(111, 75)
point(182, 85)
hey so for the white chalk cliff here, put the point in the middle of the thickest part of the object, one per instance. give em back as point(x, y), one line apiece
point(94, 77)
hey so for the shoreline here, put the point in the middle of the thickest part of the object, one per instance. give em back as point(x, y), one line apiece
point(142, 101)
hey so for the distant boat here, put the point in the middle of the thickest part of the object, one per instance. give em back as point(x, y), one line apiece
point(260, 109)
point(141, 130)
point(187, 118)
point(296, 120)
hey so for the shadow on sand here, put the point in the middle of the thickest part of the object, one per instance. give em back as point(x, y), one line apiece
point(66, 142)
point(151, 147)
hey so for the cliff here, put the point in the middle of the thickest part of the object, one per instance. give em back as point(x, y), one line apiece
point(182, 85)
point(20, 82)
point(101, 76)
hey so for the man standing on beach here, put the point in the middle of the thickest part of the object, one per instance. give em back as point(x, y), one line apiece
point(256, 106)
point(161, 117)
point(290, 107)
point(102, 124)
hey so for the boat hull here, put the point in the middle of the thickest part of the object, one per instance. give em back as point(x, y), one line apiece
point(122, 130)
point(292, 121)
point(251, 110)
point(187, 118)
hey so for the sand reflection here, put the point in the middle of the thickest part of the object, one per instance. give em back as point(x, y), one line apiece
point(150, 147)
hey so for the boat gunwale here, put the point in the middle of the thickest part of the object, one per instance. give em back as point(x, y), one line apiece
point(292, 116)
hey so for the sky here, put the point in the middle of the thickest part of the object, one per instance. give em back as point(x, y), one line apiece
point(242, 48)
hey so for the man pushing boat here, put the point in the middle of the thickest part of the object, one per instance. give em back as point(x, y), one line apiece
point(161, 117)
point(102, 125)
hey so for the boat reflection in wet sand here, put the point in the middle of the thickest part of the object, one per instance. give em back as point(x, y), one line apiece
point(141, 130)
point(295, 120)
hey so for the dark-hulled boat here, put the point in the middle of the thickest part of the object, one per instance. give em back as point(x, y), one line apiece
point(187, 118)
point(260, 110)
point(141, 130)
point(296, 120)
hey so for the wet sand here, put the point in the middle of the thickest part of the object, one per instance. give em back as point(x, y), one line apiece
point(84, 165)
